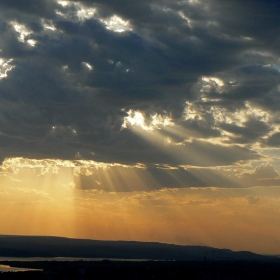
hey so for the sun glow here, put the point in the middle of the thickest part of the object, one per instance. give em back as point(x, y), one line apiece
point(136, 118)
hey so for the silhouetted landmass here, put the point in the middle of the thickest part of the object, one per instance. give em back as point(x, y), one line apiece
point(40, 246)
point(156, 270)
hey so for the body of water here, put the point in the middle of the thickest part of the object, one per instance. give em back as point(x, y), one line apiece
point(7, 268)
point(66, 259)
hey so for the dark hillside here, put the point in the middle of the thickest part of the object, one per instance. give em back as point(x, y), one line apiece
point(40, 246)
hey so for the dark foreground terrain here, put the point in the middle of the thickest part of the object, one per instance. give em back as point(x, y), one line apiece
point(50, 247)
point(167, 261)
point(126, 270)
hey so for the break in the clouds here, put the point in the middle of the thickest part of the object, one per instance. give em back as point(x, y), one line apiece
point(186, 89)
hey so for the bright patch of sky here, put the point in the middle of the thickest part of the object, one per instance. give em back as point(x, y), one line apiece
point(23, 32)
point(241, 116)
point(137, 118)
point(88, 66)
point(31, 42)
point(189, 22)
point(192, 111)
point(63, 3)
point(212, 82)
point(48, 25)
point(81, 11)
point(14, 165)
point(5, 67)
point(114, 23)
point(85, 13)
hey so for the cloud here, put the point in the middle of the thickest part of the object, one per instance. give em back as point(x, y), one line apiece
point(263, 175)
point(70, 73)
point(253, 199)
point(264, 171)
point(273, 140)
point(251, 130)
point(45, 8)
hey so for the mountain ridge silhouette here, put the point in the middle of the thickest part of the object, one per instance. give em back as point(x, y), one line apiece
point(52, 246)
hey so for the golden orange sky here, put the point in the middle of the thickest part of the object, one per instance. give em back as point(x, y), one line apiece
point(42, 198)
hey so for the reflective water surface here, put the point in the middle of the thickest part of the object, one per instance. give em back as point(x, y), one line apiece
point(7, 268)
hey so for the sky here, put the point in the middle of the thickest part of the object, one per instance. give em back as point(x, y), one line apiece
point(141, 120)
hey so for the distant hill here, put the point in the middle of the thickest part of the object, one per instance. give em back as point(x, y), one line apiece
point(41, 246)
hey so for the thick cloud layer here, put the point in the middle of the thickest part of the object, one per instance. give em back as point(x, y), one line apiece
point(153, 82)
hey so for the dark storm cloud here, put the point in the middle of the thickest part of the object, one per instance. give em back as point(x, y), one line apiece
point(274, 140)
point(197, 153)
point(45, 8)
point(69, 92)
point(251, 131)
point(257, 19)
point(254, 83)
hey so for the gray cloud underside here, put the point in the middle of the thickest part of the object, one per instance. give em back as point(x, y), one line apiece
point(54, 106)
point(121, 179)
